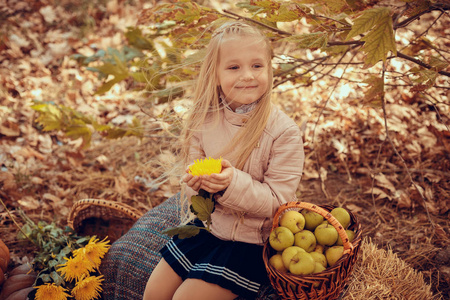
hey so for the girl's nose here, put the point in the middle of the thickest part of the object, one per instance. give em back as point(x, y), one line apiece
point(247, 75)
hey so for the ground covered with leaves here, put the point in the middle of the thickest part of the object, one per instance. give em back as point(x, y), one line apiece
point(400, 191)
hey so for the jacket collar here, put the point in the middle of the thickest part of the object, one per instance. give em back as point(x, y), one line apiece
point(235, 118)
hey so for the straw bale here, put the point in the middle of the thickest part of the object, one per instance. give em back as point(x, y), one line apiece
point(381, 274)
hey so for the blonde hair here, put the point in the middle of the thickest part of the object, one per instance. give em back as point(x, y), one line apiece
point(207, 103)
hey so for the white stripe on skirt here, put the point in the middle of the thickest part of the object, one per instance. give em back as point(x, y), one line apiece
point(216, 270)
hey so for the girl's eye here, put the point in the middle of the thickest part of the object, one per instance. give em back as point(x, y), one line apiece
point(256, 66)
point(233, 67)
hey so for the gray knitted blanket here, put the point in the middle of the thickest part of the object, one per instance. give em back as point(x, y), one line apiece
point(131, 259)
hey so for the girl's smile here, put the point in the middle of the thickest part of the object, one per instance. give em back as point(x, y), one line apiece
point(243, 71)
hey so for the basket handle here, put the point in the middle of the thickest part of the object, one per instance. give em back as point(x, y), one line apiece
point(348, 247)
point(128, 210)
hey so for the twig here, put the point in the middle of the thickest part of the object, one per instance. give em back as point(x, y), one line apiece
point(420, 63)
point(257, 22)
point(373, 177)
point(412, 170)
point(317, 121)
point(388, 137)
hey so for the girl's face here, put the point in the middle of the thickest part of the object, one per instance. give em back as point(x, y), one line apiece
point(243, 70)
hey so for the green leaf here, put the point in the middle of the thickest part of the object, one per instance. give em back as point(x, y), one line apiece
point(195, 58)
point(438, 64)
point(184, 231)
point(309, 40)
point(287, 12)
point(336, 5)
point(45, 277)
point(375, 94)
point(57, 279)
point(202, 207)
point(379, 40)
point(368, 20)
point(426, 77)
point(80, 131)
point(53, 263)
point(51, 118)
point(136, 39)
point(83, 240)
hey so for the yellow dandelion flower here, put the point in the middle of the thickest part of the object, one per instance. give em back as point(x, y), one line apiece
point(206, 166)
point(51, 291)
point(75, 268)
point(93, 252)
point(88, 288)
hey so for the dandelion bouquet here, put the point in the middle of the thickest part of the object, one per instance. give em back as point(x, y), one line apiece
point(202, 205)
point(68, 264)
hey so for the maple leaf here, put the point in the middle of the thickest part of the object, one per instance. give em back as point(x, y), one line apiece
point(379, 40)
point(368, 20)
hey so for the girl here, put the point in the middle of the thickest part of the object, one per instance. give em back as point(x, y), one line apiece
point(263, 157)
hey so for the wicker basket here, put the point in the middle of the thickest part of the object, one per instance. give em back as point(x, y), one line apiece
point(327, 284)
point(103, 218)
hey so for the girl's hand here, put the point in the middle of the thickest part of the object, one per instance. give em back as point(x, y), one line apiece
point(218, 182)
point(194, 182)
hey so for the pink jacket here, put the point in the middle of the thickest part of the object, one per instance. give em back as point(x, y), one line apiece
point(270, 176)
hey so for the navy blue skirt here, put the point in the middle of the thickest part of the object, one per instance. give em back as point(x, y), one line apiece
point(235, 266)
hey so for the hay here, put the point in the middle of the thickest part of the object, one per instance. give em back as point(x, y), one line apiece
point(380, 274)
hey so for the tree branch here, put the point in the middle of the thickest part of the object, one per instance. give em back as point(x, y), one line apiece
point(257, 22)
point(420, 63)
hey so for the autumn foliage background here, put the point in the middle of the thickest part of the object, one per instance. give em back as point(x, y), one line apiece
point(92, 95)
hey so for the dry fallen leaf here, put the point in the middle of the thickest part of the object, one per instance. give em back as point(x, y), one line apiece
point(383, 181)
point(121, 185)
point(29, 202)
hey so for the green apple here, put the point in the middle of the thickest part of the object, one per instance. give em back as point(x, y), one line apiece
point(319, 257)
point(318, 267)
point(280, 238)
point(333, 254)
point(293, 220)
point(288, 253)
point(326, 234)
point(350, 234)
point(312, 219)
point(305, 239)
point(302, 263)
point(342, 215)
point(277, 262)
